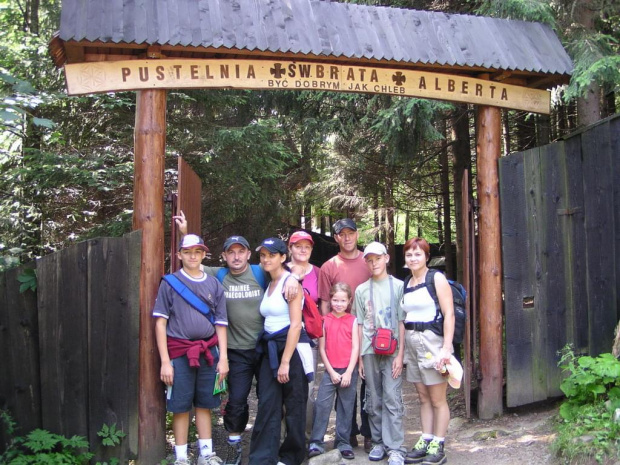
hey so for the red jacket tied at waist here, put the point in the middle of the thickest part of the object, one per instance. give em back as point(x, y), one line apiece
point(193, 349)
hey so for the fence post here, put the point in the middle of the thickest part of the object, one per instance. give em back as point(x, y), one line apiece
point(148, 215)
point(490, 263)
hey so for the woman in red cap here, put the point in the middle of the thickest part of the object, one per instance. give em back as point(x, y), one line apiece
point(300, 246)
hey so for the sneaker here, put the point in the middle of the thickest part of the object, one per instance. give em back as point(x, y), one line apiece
point(184, 461)
point(376, 453)
point(435, 454)
point(396, 457)
point(209, 460)
point(347, 454)
point(418, 452)
point(314, 450)
point(233, 453)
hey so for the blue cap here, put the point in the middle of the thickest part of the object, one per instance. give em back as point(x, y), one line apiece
point(232, 240)
point(274, 245)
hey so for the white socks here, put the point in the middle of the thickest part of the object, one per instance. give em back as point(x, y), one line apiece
point(206, 447)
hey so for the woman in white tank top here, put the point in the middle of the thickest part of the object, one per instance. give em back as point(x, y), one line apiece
point(282, 381)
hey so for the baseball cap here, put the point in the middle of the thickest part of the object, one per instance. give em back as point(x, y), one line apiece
point(274, 245)
point(344, 223)
point(300, 236)
point(232, 240)
point(375, 247)
point(192, 240)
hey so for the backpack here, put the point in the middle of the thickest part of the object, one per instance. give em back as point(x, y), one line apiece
point(459, 297)
point(258, 272)
point(313, 320)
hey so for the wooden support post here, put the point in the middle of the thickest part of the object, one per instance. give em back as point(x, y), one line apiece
point(490, 268)
point(148, 215)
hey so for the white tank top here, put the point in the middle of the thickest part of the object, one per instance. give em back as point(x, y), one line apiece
point(275, 308)
point(419, 306)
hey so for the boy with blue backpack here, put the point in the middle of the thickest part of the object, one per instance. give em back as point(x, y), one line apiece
point(190, 330)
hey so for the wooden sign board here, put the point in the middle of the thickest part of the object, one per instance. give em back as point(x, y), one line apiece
point(109, 76)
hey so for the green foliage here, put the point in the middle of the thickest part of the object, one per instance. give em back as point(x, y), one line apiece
point(592, 390)
point(43, 447)
point(28, 280)
point(111, 436)
point(525, 10)
point(597, 59)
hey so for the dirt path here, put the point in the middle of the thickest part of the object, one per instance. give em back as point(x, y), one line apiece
point(520, 437)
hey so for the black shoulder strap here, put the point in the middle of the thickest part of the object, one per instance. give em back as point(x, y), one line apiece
point(430, 285)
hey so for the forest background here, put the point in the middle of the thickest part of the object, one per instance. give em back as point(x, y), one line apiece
point(268, 159)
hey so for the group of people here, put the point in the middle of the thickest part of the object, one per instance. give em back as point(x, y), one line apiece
point(254, 331)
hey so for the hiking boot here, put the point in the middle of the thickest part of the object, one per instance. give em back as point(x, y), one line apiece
point(435, 454)
point(396, 457)
point(376, 453)
point(367, 444)
point(233, 453)
point(418, 452)
point(209, 460)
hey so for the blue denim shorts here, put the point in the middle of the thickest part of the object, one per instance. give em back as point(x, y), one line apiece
point(193, 386)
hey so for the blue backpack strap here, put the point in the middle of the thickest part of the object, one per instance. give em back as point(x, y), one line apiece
point(221, 274)
point(259, 275)
point(430, 285)
point(188, 295)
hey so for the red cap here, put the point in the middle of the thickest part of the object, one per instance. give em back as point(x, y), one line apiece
point(300, 236)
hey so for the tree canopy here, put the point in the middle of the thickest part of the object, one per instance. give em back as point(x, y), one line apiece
point(393, 163)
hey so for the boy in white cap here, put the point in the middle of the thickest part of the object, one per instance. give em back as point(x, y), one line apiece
point(192, 342)
point(377, 306)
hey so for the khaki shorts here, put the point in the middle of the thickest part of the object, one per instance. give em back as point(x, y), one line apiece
point(420, 365)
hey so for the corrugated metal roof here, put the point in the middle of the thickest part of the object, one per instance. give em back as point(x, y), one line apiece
point(320, 28)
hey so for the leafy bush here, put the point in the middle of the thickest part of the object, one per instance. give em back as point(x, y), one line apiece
point(43, 447)
point(587, 429)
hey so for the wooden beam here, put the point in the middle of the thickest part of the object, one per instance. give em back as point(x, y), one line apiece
point(150, 143)
point(490, 268)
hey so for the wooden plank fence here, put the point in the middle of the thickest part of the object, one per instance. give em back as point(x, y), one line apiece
point(70, 352)
point(560, 211)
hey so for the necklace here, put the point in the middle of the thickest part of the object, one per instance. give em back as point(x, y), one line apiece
point(416, 281)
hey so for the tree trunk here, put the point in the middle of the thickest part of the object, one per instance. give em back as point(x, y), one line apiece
point(150, 145)
point(461, 152)
point(445, 189)
point(389, 220)
point(588, 106)
point(490, 265)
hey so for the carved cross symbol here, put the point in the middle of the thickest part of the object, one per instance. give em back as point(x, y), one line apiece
point(277, 71)
point(398, 78)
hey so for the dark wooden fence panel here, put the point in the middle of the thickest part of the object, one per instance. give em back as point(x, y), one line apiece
point(70, 352)
point(19, 351)
point(62, 293)
point(599, 226)
point(561, 255)
point(113, 353)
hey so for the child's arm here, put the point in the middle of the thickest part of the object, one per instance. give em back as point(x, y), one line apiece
point(336, 378)
point(355, 353)
point(360, 367)
point(292, 338)
point(166, 373)
point(397, 364)
point(222, 344)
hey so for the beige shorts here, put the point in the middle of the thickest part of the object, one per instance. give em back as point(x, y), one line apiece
point(420, 366)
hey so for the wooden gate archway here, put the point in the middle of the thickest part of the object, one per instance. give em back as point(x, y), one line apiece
point(154, 45)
